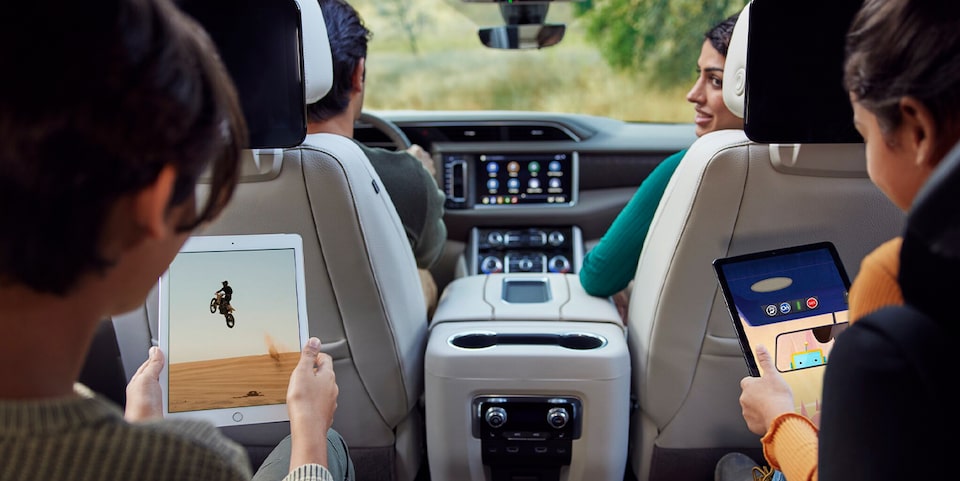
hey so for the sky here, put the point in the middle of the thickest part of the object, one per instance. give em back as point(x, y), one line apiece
point(264, 296)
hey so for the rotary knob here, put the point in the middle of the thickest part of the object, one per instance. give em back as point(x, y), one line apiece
point(495, 239)
point(557, 417)
point(491, 265)
point(496, 417)
point(559, 264)
point(556, 238)
point(525, 264)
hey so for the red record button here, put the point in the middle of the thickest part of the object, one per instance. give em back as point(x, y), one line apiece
point(812, 303)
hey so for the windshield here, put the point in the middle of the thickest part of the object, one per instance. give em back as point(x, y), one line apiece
point(426, 55)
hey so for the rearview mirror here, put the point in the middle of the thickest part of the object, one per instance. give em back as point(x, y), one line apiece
point(522, 36)
point(525, 27)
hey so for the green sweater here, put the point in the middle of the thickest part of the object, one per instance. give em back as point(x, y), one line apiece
point(611, 264)
point(85, 438)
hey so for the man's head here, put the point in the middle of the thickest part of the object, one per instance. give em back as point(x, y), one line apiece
point(98, 101)
point(225, 283)
point(348, 46)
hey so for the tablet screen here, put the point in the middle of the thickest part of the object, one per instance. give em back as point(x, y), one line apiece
point(793, 301)
point(232, 326)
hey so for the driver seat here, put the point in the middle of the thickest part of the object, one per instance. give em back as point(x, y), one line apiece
point(364, 298)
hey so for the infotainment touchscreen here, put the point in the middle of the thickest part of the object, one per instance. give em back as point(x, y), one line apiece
point(509, 179)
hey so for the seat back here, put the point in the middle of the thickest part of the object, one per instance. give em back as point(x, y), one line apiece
point(729, 196)
point(364, 299)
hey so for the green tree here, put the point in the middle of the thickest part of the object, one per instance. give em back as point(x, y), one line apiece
point(660, 38)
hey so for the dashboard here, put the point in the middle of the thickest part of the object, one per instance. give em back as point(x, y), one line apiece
point(529, 191)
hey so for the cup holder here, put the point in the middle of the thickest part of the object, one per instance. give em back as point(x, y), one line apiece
point(580, 341)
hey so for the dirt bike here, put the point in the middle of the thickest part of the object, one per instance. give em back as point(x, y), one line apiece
point(217, 304)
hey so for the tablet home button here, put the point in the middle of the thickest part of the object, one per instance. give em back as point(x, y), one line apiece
point(237, 417)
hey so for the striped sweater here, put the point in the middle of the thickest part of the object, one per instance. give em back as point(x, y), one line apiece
point(85, 438)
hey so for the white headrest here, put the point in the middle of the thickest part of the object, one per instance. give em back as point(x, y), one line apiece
point(317, 61)
point(735, 67)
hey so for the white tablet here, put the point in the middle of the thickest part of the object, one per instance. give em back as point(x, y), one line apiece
point(233, 318)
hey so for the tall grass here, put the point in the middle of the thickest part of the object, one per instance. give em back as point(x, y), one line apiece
point(454, 71)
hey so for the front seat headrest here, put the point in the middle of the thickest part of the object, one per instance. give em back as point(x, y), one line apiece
point(930, 256)
point(317, 60)
point(735, 66)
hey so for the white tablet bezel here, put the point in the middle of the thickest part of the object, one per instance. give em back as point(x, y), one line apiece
point(234, 416)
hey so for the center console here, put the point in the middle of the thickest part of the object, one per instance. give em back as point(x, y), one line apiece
point(526, 378)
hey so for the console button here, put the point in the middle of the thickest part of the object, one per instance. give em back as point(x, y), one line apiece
point(512, 239)
point(495, 239)
point(537, 239)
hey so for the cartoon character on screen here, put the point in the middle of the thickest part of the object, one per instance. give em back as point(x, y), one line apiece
point(221, 303)
point(807, 358)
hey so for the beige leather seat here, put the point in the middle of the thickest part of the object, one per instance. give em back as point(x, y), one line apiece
point(364, 299)
point(728, 196)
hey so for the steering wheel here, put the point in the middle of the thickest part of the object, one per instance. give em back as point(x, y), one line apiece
point(390, 129)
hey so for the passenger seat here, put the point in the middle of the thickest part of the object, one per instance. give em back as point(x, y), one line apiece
point(729, 196)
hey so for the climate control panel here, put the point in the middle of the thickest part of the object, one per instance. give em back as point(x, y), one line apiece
point(527, 249)
point(532, 435)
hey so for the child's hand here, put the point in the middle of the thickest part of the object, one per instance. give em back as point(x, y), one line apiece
point(144, 397)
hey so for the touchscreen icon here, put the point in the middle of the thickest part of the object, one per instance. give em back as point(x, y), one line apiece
point(513, 167)
point(533, 167)
point(554, 183)
point(492, 184)
point(513, 183)
point(553, 166)
point(492, 167)
point(534, 183)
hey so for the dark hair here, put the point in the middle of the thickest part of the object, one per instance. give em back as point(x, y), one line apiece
point(719, 35)
point(348, 44)
point(906, 48)
point(95, 101)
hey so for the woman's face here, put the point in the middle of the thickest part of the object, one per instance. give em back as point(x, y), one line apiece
point(892, 166)
point(707, 94)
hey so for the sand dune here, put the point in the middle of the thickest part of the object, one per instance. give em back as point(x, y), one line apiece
point(226, 383)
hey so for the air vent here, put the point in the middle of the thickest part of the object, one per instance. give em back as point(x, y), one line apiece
point(472, 133)
point(503, 133)
point(526, 133)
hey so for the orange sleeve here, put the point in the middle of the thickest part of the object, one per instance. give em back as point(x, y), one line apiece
point(790, 447)
point(876, 284)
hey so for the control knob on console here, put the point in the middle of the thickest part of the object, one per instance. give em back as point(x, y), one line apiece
point(556, 238)
point(559, 264)
point(556, 417)
point(495, 239)
point(496, 417)
point(491, 265)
